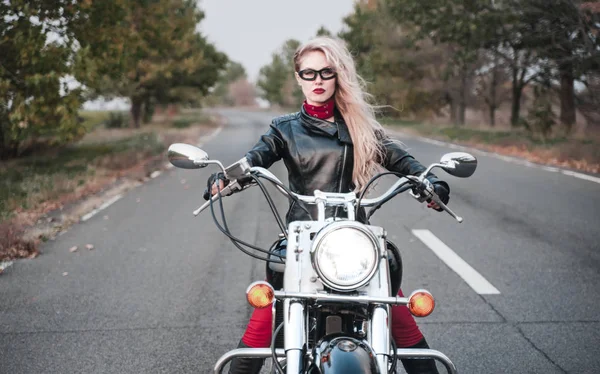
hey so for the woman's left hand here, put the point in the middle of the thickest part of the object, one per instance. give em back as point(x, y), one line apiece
point(440, 189)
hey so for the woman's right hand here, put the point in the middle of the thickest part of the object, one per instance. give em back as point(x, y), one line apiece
point(214, 181)
point(218, 183)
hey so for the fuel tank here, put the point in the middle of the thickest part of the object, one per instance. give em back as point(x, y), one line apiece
point(339, 354)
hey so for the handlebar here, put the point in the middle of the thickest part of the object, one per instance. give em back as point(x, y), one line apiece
point(329, 198)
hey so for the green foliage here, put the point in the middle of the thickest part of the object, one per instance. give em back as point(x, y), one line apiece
point(360, 36)
point(93, 118)
point(117, 120)
point(221, 94)
point(272, 79)
point(35, 102)
point(397, 66)
point(540, 119)
point(323, 31)
point(277, 81)
point(182, 123)
point(32, 180)
point(148, 51)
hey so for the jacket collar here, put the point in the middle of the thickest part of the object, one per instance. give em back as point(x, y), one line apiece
point(330, 128)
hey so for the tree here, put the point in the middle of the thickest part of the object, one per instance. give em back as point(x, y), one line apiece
point(233, 87)
point(489, 84)
point(359, 33)
point(460, 24)
point(403, 73)
point(564, 33)
point(232, 72)
point(151, 53)
point(507, 40)
point(588, 101)
point(541, 118)
point(323, 31)
point(272, 79)
point(242, 93)
point(277, 81)
point(36, 102)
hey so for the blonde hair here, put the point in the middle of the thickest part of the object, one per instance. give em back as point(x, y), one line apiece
point(351, 100)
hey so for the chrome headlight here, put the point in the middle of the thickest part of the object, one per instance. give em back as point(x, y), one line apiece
point(345, 255)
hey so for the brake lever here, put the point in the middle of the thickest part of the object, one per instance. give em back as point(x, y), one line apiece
point(226, 191)
point(230, 189)
point(439, 202)
point(427, 192)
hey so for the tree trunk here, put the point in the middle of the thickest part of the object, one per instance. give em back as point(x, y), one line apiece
point(462, 110)
point(136, 112)
point(516, 98)
point(8, 148)
point(3, 148)
point(462, 105)
point(450, 100)
point(148, 111)
point(493, 96)
point(567, 96)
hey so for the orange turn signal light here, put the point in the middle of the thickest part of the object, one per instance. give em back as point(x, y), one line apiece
point(421, 303)
point(260, 294)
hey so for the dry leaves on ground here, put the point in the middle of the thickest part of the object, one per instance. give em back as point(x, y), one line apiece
point(542, 156)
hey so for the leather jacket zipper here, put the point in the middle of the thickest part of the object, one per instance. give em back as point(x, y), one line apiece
point(341, 176)
point(343, 167)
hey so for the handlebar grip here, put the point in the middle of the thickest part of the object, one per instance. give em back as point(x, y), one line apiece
point(226, 191)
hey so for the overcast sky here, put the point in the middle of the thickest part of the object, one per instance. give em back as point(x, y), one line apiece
point(249, 31)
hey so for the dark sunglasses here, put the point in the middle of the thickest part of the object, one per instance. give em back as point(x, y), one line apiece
point(311, 74)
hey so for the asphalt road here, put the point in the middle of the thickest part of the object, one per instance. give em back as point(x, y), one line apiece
point(163, 292)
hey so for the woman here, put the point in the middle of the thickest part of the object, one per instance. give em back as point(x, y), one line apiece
point(333, 144)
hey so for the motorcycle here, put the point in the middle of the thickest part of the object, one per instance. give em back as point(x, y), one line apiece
point(339, 275)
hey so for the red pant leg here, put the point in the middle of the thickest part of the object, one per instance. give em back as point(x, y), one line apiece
point(404, 328)
point(258, 332)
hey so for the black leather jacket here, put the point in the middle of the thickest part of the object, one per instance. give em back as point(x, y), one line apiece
point(319, 155)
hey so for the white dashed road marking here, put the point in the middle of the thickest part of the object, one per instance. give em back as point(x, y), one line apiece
point(456, 263)
point(4, 265)
point(210, 136)
point(101, 207)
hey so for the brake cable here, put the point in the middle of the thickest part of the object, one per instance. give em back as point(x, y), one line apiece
point(271, 205)
point(401, 188)
point(225, 230)
point(290, 194)
point(364, 191)
point(273, 355)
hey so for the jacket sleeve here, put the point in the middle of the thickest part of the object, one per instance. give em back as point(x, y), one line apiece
point(397, 159)
point(270, 148)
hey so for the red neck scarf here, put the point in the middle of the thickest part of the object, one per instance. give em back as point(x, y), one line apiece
point(321, 112)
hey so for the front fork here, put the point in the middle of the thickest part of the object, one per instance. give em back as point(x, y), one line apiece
point(295, 335)
point(379, 335)
point(294, 325)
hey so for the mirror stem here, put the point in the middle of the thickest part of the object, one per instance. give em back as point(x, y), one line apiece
point(426, 173)
point(207, 162)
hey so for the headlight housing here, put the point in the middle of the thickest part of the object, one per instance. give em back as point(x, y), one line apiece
point(345, 255)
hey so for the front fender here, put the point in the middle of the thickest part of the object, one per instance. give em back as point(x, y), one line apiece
point(339, 354)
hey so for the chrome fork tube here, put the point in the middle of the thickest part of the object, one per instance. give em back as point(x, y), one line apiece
point(379, 335)
point(295, 334)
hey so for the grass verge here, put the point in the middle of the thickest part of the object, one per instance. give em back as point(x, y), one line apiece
point(561, 151)
point(48, 180)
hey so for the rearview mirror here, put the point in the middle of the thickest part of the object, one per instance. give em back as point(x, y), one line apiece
point(459, 164)
point(187, 156)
